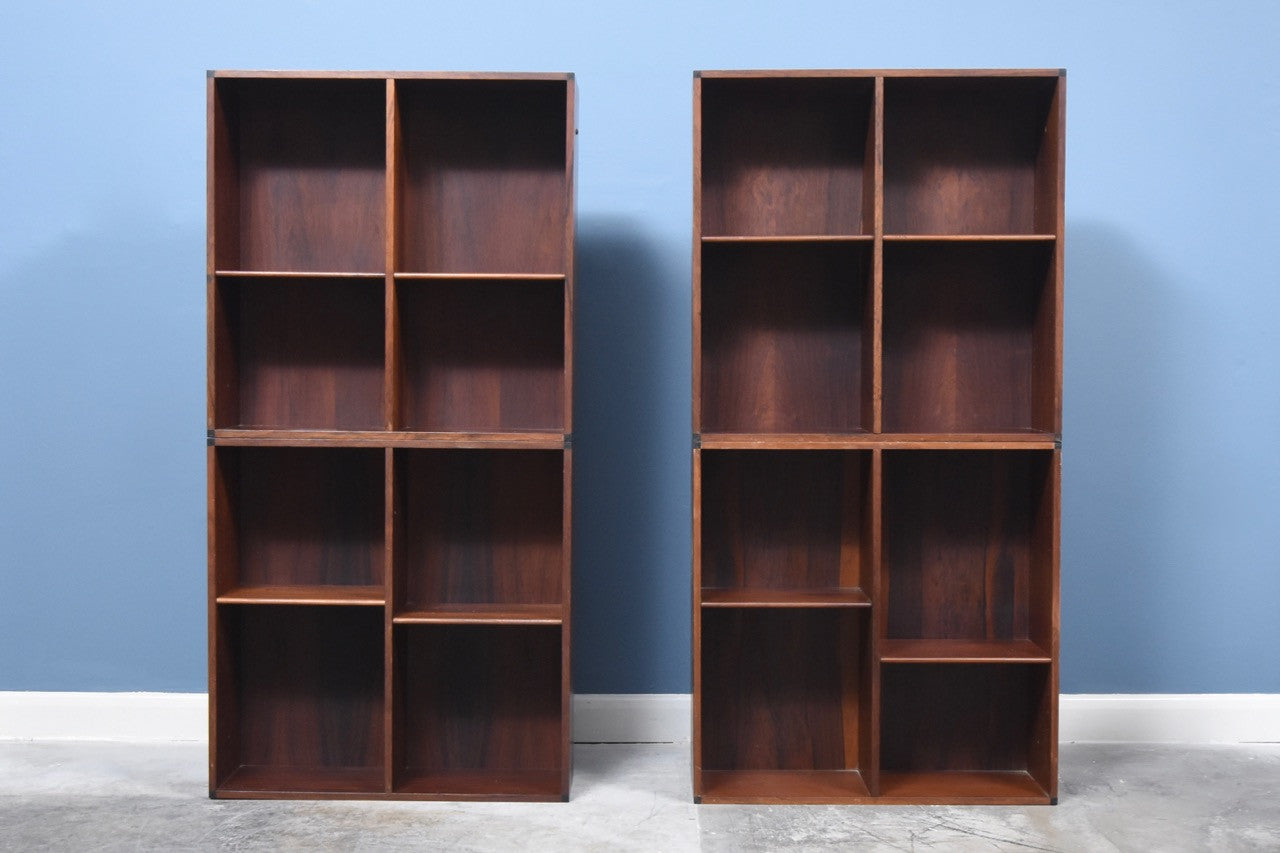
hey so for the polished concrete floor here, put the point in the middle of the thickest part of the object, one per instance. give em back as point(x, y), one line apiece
point(101, 796)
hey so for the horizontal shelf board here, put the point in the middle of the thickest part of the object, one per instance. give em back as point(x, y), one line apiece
point(394, 75)
point(361, 596)
point(477, 276)
point(880, 72)
point(721, 597)
point(378, 276)
point(1028, 440)
point(251, 779)
point(970, 238)
point(483, 614)
point(1010, 786)
point(789, 238)
point(771, 786)
point(482, 785)
point(388, 438)
point(962, 651)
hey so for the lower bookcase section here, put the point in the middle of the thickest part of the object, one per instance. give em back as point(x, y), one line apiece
point(479, 712)
point(785, 709)
point(967, 732)
point(299, 701)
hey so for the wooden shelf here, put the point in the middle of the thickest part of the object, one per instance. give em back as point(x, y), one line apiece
point(783, 598)
point(483, 614)
point(781, 786)
point(530, 786)
point(877, 431)
point(390, 301)
point(365, 596)
point(269, 781)
point(1009, 787)
point(962, 651)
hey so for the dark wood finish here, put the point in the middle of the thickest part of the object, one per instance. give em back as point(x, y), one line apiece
point(971, 718)
point(782, 687)
point(479, 527)
point(301, 517)
point(305, 185)
point(484, 185)
point(782, 333)
point(307, 712)
point(482, 355)
point(299, 353)
point(877, 276)
point(961, 155)
point(390, 321)
point(786, 157)
point(785, 520)
point(480, 701)
point(960, 336)
point(959, 555)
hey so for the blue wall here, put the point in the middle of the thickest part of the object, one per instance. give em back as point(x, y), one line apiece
point(1171, 546)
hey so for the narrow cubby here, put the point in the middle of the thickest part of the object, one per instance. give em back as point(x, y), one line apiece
point(298, 699)
point(479, 534)
point(482, 175)
point(970, 732)
point(787, 156)
point(298, 523)
point(786, 335)
point(298, 353)
point(301, 167)
point(969, 337)
point(481, 355)
point(479, 712)
point(785, 527)
point(968, 560)
point(785, 704)
point(971, 154)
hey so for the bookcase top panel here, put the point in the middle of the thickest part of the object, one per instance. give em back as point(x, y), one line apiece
point(392, 75)
point(885, 72)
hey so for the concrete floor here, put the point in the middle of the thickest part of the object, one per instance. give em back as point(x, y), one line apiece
point(104, 796)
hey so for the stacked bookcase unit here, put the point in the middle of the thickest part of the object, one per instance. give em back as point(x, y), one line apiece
point(390, 285)
point(877, 421)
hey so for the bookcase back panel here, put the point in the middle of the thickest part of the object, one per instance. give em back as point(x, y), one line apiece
point(310, 159)
point(308, 354)
point(782, 689)
point(482, 527)
point(960, 155)
point(784, 520)
point(961, 556)
point(960, 336)
point(484, 185)
point(785, 156)
point(307, 517)
point(310, 686)
point(782, 338)
point(506, 722)
point(482, 355)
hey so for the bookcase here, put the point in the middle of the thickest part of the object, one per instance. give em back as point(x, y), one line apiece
point(877, 338)
point(390, 316)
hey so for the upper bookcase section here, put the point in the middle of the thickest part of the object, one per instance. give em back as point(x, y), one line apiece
point(787, 156)
point(482, 176)
point(300, 175)
point(971, 155)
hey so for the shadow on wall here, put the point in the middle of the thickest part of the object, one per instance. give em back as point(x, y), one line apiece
point(1124, 576)
point(631, 483)
point(102, 550)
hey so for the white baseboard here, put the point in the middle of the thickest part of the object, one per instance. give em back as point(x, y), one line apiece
point(654, 717)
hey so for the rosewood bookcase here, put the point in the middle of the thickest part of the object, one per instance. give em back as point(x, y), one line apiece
point(390, 316)
point(877, 385)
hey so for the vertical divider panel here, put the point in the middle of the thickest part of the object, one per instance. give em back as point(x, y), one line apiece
point(873, 579)
point(570, 261)
point(877, 261)
point(566, 618)
point(390, 539)
point(697, 618)
point(391, 374)
point(697, 266)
